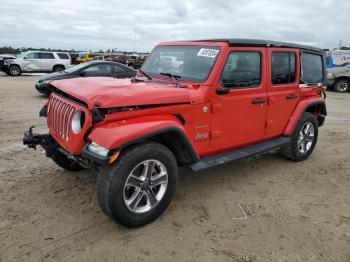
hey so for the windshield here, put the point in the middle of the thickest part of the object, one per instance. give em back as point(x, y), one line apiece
point(192, 63)
point(22, 54)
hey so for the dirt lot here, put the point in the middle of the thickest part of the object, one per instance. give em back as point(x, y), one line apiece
point(261, 209)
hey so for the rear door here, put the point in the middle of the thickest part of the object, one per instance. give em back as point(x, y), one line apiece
point(47, 61)
point(238, 117)
point(282, 88)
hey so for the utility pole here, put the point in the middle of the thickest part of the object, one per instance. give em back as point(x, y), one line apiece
point(134, 37)
point(340, 44)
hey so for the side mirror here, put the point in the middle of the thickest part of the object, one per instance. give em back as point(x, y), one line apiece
point(222, 91)
point(82, 73)
point(25, 57)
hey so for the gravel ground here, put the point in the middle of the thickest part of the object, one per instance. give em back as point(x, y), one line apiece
point(264, 208)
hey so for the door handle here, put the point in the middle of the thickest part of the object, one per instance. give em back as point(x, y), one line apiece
point(292, 96)
point(257, 101)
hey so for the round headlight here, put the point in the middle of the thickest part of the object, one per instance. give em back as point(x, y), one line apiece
point(78, 122)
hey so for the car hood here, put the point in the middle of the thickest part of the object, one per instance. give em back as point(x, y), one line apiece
point(53, 76)
point(107, 92)
point(338, 70)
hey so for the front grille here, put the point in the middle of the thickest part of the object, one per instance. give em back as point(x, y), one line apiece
point(59, 116)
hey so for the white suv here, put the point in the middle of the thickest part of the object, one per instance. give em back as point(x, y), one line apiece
point(37, 61)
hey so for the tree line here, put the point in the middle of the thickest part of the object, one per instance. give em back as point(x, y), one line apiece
point(13, 50)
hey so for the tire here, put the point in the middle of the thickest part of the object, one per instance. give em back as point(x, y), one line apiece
point(342, 85)
point(66, 163)
point(14, 70)
point(115, 186)
point(58, 68)
point(303, 139)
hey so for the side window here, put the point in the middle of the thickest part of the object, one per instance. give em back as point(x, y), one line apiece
point(32, 55)
point(311, 68)
point(63, 56)
point(46, 56)
point(242, 70)
point(101, 69)
point(118, 69)
point(283, 68)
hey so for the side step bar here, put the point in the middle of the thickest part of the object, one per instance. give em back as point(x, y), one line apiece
point(222, 158)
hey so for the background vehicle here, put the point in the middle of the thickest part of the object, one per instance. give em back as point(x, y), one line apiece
point(37, 61)
point(221, 100)
point(88, 69)
point(4, 57)
point(339, 78)
point(337, 58)
point(73, 57)
point(138, 62)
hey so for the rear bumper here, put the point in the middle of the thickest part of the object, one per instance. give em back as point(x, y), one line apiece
point(86, 159)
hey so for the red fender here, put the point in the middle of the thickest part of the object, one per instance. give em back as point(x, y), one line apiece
point(299, 110)
point(116, 134)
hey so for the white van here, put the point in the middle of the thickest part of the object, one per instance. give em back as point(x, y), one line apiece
point(337, 58)
point(37, 61)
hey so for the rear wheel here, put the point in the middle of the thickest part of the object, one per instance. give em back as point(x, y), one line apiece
point(139, 186)
point(342, 85)
point(58, 68)
point(303, 139)
point(65, 162)
point(14, 70)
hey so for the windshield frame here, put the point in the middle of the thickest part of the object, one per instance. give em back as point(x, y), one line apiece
point(217, 47)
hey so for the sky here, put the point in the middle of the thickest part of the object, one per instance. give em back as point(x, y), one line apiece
point(134, 25)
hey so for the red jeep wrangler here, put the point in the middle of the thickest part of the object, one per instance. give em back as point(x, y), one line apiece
point(194, 103)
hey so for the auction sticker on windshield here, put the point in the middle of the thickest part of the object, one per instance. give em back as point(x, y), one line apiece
point(208, 52)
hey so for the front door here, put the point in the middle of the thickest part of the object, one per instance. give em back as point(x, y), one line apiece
point(31, 62)
point(282, 89)
point(238, 117)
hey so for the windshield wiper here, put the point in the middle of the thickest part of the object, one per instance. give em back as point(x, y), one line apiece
point(174, 77)
point(146, 75)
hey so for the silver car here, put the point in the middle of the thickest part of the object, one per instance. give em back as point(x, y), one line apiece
point(338, 78)
point(37, 61)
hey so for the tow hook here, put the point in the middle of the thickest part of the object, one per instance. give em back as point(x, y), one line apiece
point(33, 139)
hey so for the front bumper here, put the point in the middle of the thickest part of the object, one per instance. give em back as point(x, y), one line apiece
point(86, 159)
point(330, 82)
point(4, 68)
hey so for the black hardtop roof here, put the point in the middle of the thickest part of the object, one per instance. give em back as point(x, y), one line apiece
point(260, 42)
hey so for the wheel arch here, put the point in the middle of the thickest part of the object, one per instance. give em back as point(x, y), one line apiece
point(166, 130)
point(315, 106)
point(56, 65)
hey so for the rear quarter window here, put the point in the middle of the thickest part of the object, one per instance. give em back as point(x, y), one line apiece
point(311, 68)
point(63, 56)
point(46, 56)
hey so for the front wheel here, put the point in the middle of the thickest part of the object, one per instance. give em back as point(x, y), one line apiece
point(14, 70)
point(139, 186)
point(303, 139)
point(342, 85)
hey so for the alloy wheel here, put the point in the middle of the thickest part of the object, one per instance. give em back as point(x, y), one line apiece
point(342, 86)
point(14, 70)
point(306, 137)
point(145, 186)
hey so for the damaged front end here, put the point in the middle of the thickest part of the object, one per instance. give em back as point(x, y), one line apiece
point(52, 149)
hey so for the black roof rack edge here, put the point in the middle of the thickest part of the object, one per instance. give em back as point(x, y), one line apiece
point(260, 42)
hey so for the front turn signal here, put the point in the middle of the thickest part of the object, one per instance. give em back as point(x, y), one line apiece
point(113, 157)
